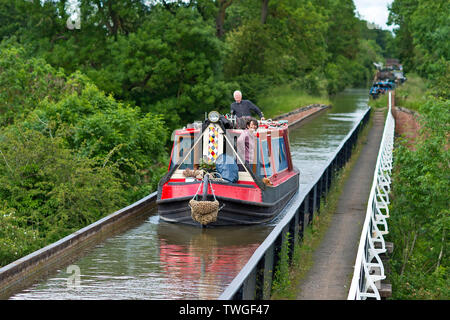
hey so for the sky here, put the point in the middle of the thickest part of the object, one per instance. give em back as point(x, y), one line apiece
point(375, 11)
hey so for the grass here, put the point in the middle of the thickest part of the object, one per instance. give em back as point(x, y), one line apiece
point(283, 99)
point(286, 286)
point(412, 94)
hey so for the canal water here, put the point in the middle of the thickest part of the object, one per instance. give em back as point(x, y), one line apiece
point(158, 260)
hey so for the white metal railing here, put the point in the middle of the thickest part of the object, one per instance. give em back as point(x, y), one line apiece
point(369, 269)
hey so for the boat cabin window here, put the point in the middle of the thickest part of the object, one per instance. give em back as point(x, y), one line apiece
point(181, 146)
point(279, 154)
point(264, 167)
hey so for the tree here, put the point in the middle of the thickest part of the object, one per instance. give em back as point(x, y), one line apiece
point(290, 44)
point(422, 39)
point(400, 14)
point(343, 31)
point(264, 10)
point(171, 65)
point(25, 81)
point(118, 17)
point(222, 6)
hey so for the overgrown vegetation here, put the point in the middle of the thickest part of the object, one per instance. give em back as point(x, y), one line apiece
point(282, 281)
point(420, 219)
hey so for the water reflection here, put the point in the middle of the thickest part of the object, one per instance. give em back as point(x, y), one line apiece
point(206, 259)
point(159, 260)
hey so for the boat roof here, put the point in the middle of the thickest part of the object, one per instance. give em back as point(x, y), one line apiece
point(263, 126)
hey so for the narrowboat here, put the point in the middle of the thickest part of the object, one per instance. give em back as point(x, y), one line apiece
point(381, 87)
point(246, 181)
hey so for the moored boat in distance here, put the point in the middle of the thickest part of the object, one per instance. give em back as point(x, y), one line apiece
point(220, 174)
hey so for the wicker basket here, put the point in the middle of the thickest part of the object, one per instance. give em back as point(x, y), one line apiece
point(204, 212)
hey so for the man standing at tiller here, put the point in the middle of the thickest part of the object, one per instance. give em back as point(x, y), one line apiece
point(243, 110)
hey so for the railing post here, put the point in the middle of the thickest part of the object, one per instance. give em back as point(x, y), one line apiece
point(249, 288)
point(341, 158)
point(268, 272)
point(314, 207)
point(297, 225)
point(301, 220)
point(294, 231)
point(306, 216)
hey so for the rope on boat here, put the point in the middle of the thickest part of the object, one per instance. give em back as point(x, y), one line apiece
point(204, 211)
point(199, 174)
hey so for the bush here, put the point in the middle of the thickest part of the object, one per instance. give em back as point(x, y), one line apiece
point(24, 82)
point(97, 126)
point(50, 191)
point(420, 218)
point(16, 238)
point(313, 83)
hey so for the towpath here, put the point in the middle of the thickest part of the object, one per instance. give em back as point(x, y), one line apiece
point(333, 261)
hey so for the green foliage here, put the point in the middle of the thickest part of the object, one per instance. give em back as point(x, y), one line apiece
point(253, 85)
point(165, 57)
point(168, 66)
point(11, 18)
point(384, 39)
point(381, 102)
point(24, 82)
point(97, 126)
point(247, 46)
point(420, 216)
point(91, 123)
point(413, 93)
point(282, 280)
point(16, 239)
point(313, 83)
point(422, 39)
point(333, 74)
point(69, 154)
point(50, 191)
point(306, 43)
point(343, 33)
point(285, 47)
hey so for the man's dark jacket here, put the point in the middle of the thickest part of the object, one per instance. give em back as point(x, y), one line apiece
point(244, 109)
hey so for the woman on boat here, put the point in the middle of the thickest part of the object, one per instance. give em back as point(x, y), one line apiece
point(247, 141)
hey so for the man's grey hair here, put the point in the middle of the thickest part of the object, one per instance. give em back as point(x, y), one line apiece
point(237, 92)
